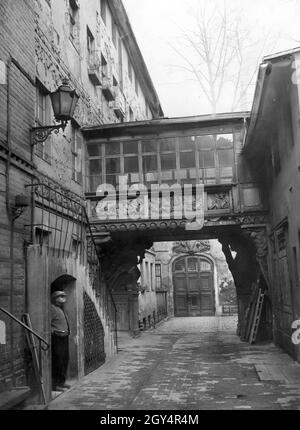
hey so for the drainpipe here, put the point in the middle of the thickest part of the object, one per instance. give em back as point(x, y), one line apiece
point(10, 218)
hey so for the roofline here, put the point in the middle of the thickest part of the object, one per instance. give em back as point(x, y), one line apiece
point(211, 119)
point(281, 54)
point(138, 63)
point(264, 70)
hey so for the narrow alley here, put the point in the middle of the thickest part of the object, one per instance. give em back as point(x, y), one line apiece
point(195, 363)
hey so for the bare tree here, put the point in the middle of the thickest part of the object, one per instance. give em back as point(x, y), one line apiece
point(218, 54)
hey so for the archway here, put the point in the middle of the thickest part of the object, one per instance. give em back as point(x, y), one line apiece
point(193, 279)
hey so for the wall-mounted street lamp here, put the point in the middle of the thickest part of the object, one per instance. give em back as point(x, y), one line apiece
point(64, 101)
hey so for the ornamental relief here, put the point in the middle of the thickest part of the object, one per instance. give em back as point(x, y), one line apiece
point(51, 74)
point(191, 247)
point(218, 201)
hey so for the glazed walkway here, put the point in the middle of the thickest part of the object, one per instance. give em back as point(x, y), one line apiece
point(189, 364)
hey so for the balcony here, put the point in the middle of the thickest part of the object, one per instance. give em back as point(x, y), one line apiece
point(108, 89)
point(94, 68)
point(119, 106)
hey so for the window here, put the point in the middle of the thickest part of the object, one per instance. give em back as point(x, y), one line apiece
point(192, 265)
point(104, 66)
point(130, 114)
point(94, 150)
point(42, 236)
point(180, 265)
point(42, 118)
point(187, 160)
point(103, 6)
point(149, 146)
point(112, 148)
point(136, 86)
point(168, 161)
point(130, 71)
point(205, 266)
point(158, 276)
point(131, 165)
point(114, 32)
point(149, 163)
point(90, 46)
point(76, 154)
point(73, 21)
point(130, 147)
point(113, 170)
point(167, 145)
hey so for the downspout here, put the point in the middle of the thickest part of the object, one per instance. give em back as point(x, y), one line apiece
point(10, 218)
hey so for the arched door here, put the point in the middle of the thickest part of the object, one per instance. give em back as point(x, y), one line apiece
point(193, 287)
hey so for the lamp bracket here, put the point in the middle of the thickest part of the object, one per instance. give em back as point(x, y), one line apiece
point(40, 134)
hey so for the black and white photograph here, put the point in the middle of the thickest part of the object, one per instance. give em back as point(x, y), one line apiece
point(149, 209)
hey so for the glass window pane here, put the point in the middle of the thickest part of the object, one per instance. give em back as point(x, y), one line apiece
point(112, 148)
point(167, 145)
point(112, 179)
point(112, 165)
point(180, 266)
point(95, 167)
point(192, 265)
point(205, 266)
point(206, 159)
point(168, 161)
point(226, 157)
point(95, 181)
point(210, 173)
point(149, 163)
point(130, 147)
point(225, 140)
point(94, 150)
point(194, 300)
point(187, 142)
point(131, 164)
point(205, 142)
point(149, 146)
point(187, 159)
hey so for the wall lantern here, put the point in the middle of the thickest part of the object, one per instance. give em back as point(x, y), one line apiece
point(64, 101)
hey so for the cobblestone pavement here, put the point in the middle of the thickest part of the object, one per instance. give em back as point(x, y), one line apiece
point(189, 364)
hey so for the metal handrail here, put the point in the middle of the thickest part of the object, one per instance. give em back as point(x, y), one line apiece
point(27, 328)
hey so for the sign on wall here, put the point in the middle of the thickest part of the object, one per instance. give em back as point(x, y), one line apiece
point(2, 333)
point(2, 73)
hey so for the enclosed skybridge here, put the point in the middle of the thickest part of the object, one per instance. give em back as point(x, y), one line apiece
point(159, 177)
point(174, 179)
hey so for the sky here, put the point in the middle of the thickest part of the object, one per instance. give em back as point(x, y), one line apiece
point(271, 26)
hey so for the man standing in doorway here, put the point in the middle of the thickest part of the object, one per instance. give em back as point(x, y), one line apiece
point(60, 332)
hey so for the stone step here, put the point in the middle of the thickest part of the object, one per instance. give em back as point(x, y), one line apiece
point(12, 398)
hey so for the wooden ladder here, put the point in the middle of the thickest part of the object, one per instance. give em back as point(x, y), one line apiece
point(257, 315)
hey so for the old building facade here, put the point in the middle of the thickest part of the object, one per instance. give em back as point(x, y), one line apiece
point(47, 243)
point(272, 151)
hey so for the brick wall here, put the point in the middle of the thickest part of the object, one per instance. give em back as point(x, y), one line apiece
point(17, 53)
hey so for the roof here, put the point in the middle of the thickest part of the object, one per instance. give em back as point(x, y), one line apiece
point(128, 38)
point(281, 54)
point(163, 124)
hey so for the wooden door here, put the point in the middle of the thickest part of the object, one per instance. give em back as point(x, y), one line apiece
point(193, 287)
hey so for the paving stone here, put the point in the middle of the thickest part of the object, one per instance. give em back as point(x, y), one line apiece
point(187, 364)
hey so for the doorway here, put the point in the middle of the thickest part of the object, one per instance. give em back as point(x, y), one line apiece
point(67, 283)
point(193, 287)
